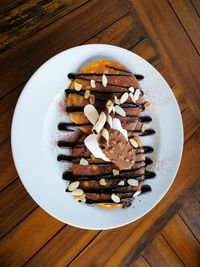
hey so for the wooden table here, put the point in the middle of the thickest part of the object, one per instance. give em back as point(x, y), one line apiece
point(166, 33)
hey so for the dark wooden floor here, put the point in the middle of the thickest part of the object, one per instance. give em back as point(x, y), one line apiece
point(166, 33)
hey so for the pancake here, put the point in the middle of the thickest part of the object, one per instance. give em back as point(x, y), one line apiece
point(96, 181)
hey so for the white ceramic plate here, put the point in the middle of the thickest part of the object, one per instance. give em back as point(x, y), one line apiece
point(34, 137)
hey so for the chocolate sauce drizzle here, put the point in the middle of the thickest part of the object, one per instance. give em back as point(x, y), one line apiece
point(139, 172)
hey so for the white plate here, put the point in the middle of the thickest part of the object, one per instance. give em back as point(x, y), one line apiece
point(34, 137)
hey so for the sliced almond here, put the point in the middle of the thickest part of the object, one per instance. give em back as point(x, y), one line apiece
point(121, 183)
point(123, 98)
point(109, 105)
point(136, 95)
point(83, 162)
point(137, 193)
point(77, 86)
point(104, 80)
point(74, 185)
point(81, 198)
point(77, 192)
point(132, 182)
point(115, 198)
point(93, 157)
point(147, 105)
point(119, 110)
point(131, 89)
point(117, 101)
point(92, 99)
point(131, 96)
point(102, 181)
point(100, 123)
point(136, 138)
point(91, 113)
point(115, 172)
point(92, 83)
point(87, 94)
point(133, 143)
point(143, 128)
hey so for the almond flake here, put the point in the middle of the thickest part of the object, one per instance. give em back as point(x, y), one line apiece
point(87, 94)
point(92, 83)
point(115, 198)
point(121, 183)
point(131, 89)
point(73, 186)
point(81, 198)
point(132, 182)
point(115, 172)
point(91, 113)
point(102, 181)
point(104, 80)
point(77, 86)
point(109, 105)
point(123, 98)
point(93, 157)
point(147, 105)
point(83, 162)
point(117, 101)
point(143, 128)
point(131, 96)
point(136, 138)
point(77, 192)
point(92, 99)
point(137, 193)
point(133, 143)
point(136, 95)
point(119, 110)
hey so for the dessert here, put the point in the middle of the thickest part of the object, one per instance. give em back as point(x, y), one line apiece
point(108, 161)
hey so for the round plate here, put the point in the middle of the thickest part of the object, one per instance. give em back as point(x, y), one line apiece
point(34, 136)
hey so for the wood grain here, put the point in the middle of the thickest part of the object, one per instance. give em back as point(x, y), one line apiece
point(189, 19)
point(159, 253)
point(20, 19)
point(27, 237)
point(116, 35)
point(184, 243)
point(61, 250)
point(146, 50)
point(8, 170)
point(190, 213)
point(56, 38)
point(15, 205)
point(141, 262)
point(128, 249)
point(196, 5)
point(174, 46)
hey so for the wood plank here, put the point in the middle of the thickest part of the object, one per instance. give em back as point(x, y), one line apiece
point(27, 237)
point(196, 5)
point(61, 250)
point(189, 19)
point(182, 241)
point(141, 262)
point(7, 167)
point(174, 46)
point(159, 253)
point(15, 205)
point(146, 50)
point(125, 33)
point(128, 248)
point(179, 97)
point(7, 105)
point(197, 193)
point(20, 19)
point(190, 213)
point(56, 38)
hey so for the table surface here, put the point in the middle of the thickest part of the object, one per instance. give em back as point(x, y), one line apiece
point(166, 33)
